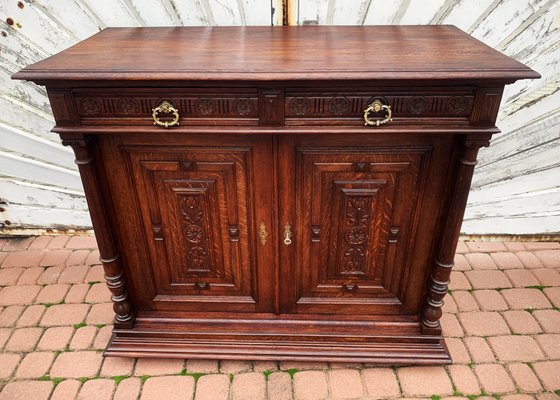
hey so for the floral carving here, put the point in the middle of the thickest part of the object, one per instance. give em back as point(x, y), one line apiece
point(355, 234)
point(127, 105)
point(90, 106)
point(300, 105)
point(339, 105)
point(194, 234)
point(457, 105)
point(243, 106)
point(417, 105)
point(205, 106)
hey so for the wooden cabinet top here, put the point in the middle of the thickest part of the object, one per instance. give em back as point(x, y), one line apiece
point(278, 53)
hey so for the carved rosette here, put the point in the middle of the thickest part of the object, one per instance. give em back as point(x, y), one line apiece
point(300, 105)
point(205, 106)
point(90, 106)
point(193, 230)
point(355, 235)
point(243, 106)
point(418, 105)
point(457, 105)
point(339, 105)
point(127, 105)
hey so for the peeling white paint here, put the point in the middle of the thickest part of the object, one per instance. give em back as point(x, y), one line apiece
point(516, 189)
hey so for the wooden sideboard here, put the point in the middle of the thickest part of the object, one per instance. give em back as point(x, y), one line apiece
point(288, 193)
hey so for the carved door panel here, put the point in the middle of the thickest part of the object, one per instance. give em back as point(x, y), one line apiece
point(356, 209)
point(201, 208)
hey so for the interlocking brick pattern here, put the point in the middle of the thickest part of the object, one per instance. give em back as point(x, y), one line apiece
point(501, 320)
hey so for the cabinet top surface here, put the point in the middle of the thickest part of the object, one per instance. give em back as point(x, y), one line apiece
point(278, 53)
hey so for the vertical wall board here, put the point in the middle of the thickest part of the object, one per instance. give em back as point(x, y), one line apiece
point(379, 13)
point(312, 11)
point(193, 12)
point(347, 12)
point(258, 12)
point(157, 12)
point(520, 164)
point(227, 12)
point(422, 12)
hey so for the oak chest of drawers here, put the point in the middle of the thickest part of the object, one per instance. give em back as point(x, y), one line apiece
point(277, 192)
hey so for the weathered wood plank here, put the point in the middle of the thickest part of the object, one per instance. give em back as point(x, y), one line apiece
point(69, 15)
point(226, 12)
point(519, 225)
point(17, 141)
point(40, 217)
point(520, 140)
point(21, 115)
point(113, 12)
point(30, 170)
point(194, 12)
point(504, 19)
point(312, 11)
point(34, 195)
point(538, 158)
point(421, 12)
point(539, 181)
point(343, 12)
point(380, 13)
point(41, 30)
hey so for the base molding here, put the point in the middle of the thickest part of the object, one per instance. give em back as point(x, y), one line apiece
point(272, 342)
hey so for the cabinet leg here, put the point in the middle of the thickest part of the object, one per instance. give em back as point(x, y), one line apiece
point(109, 255)
point(441, 269)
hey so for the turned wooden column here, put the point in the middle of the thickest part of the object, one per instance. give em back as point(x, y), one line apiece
point(444, 261)
point(109, 255)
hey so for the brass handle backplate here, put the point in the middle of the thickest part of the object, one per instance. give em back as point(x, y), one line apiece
point(375, 107)
point(287, 234)
point(165, 108)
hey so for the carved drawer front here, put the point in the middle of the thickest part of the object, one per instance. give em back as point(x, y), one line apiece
point(197, 209)
point(358, 209)
point(219, 106)
point(408, 105)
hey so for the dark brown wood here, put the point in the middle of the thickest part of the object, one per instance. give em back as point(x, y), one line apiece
point(279, 53)
point(271, 223)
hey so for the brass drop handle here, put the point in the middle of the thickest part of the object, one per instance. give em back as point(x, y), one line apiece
point(165, 108)
point(287, 234)
point(375, 107)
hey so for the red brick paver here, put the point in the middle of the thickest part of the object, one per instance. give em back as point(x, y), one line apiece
point(501, 321)
point(168, 388)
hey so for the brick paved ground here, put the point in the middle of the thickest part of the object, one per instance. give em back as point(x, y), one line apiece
point(502, 323)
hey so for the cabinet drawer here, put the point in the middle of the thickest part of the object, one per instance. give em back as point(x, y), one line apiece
point(408, 105)
point(196, 106)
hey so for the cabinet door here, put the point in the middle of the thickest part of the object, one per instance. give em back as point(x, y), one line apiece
point(202, 203)
point(356, 212)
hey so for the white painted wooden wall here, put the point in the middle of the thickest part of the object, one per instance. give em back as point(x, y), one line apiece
point(516, 188)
